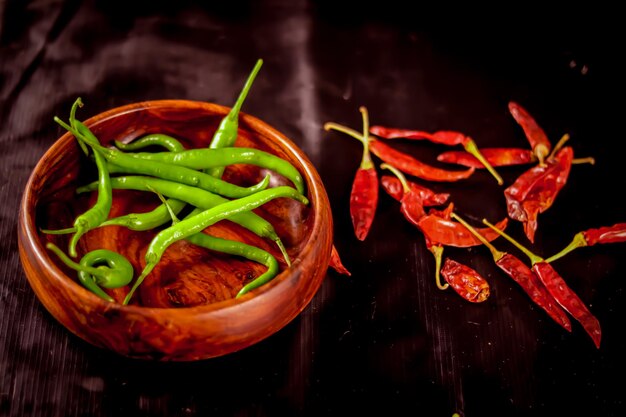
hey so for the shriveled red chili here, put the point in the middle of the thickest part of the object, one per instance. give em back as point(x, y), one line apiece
point(404, 162)
point(393, 187)
point(495, 156)
point(451, 233)
point(411, 204)
point(467, 282)
point(409, 165)
point(364, 194)
point(336, 264)
point(522, 275)
point(537, 138)
point(590, 237)
point(444, 137)
point(535, 190)
point(559, 289)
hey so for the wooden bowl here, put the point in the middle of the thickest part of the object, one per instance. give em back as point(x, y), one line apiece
point(185, 309)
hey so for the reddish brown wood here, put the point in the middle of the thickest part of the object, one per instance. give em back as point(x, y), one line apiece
point(217, 324)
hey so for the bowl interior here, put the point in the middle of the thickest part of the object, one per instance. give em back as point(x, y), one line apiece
point(187, 275)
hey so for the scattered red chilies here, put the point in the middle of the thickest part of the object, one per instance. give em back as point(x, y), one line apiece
point(450, 233)
point(568, 299)
point(465, 281)
point(559, 289)
point(602, 235)
point(444, 137)
point(522, 275)
point(364, 194)
point(497, 157)
point(537, 138)
point(535, 190)
point(409, 165)
point(402, 161)
point(394, 188)
point(411, 203)
point(336, 264)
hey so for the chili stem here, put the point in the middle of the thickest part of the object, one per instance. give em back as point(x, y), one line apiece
point(533, 258)
point(559, 145)
point(59, 231)
point(91, 286)
point(588, 160)
point(497, 255)
point(400, 175)
point(348, 131)
point(437, 252)
point(578, 242)
point(234, 112)
point(366, 160)
point(470, 146)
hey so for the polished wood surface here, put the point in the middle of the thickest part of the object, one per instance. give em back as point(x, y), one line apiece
point(185, 310)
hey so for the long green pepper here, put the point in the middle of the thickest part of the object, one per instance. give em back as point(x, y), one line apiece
point(117, 272)
point(196, 197)
point(226, 133)
point(191, 226)
point(120, 162)
point(233, 247)
point(210, 158)
point(153, 139)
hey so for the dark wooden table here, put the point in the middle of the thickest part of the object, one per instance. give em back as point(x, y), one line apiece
point(385, 341)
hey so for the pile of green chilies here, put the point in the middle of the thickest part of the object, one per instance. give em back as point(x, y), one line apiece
point(184, 177)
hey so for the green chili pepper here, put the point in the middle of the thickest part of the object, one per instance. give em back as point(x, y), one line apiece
point(119, 162)
point(226, 133)
point(154, 139)
point(92, 272)
point(99, 212)
point(210, 158)
point(158, 216)
point(199, 222)
point(196, 197)
point(232, 247)
point(78, 103)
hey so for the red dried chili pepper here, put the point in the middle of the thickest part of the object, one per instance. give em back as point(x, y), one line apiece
point(404, 162)
point(409, 165)
point(526, 279)
point(442, 230)
point(537, 138)
point(590, 237)
point(336, 264)
point(411, 203)
point(535, 190)
point(557, 287)
point(394, 188)
point(495, 156)
point(467, 282)
point(364, 194)
point(444, 137)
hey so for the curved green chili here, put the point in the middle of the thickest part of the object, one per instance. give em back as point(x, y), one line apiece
point(226, 133)
point(191, 226)
point(93, 273)
point(158, 216)
point(120, 162)
point(232, 247)
point(196, 197)
point(210, 158)
point(99, 212)
point(153, 139)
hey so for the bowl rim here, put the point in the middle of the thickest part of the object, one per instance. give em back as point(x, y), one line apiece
point(315, 193)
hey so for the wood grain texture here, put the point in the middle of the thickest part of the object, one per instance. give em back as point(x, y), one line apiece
point(186, 309)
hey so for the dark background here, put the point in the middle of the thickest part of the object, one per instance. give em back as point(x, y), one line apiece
point(384, 341)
